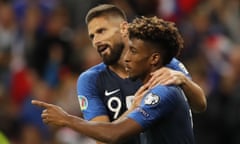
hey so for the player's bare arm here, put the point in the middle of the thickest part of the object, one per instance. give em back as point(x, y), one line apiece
point(193, 92)
point(102, 118)
point(105, 131)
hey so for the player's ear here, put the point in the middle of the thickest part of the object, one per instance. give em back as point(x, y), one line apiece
point(124, 28)
point(155, 58)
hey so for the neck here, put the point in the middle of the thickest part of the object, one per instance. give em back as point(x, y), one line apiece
point(147, 77)
point(119, 69)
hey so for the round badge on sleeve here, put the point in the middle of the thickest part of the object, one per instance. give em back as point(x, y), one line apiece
point(83, 102)
point(151, 99)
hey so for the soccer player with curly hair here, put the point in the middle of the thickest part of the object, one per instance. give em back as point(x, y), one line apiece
point(161, 112)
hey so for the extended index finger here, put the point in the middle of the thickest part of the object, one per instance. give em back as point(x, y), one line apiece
point(40, 104)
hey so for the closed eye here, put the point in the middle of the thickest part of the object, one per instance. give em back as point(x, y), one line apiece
point(132, 50)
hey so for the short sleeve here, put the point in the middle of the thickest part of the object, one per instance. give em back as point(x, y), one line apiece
point(175, 64)
point(90, 101)
point(156, 104)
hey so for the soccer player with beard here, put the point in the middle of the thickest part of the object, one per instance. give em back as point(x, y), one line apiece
point(104, 91)
point(162, 112)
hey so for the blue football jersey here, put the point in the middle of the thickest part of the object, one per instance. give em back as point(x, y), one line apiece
point(178, 66)
point(102, 92)
point(165, 116)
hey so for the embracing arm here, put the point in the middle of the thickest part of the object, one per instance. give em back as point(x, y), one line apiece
point(194, 93)
point(138, 96)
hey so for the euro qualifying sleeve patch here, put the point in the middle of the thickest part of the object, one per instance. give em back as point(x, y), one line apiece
point(83, 102)
point(151, 99)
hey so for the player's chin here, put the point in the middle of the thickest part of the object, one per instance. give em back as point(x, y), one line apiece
point(132, 77)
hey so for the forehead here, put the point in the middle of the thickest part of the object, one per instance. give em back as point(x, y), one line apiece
point(103, 22)
point(136, 43)
point(142, 45)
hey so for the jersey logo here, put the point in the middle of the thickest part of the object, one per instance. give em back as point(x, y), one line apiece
point(83, 102)
point(111, 92)
point(151, 99)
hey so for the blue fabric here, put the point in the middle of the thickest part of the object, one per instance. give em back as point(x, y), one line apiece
point(165, 116)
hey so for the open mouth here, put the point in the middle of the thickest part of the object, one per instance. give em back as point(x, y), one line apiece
point(102, 49)
point(127, 68)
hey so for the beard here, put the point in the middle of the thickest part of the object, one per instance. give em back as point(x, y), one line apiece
point(115, 54)
point(133, 78)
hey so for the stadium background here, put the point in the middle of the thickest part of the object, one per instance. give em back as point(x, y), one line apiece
point(44, 46)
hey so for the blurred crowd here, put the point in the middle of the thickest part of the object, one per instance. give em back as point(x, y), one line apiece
point(44, 47)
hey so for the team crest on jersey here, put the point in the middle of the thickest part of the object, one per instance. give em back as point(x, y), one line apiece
point(83, 102)
point(151, 99)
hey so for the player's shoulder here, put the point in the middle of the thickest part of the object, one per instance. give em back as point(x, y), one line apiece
point(163, 88)
point(166, 90)
point(175, 64)
point(161, 95)
point(92, 72)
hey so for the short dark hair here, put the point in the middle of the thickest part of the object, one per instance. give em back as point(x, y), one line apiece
point(161, 32)
point(104, 9)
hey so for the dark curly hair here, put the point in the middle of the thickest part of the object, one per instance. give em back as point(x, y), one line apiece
point(161, 32)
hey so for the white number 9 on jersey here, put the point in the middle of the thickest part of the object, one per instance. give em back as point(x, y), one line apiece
point(118, 104)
